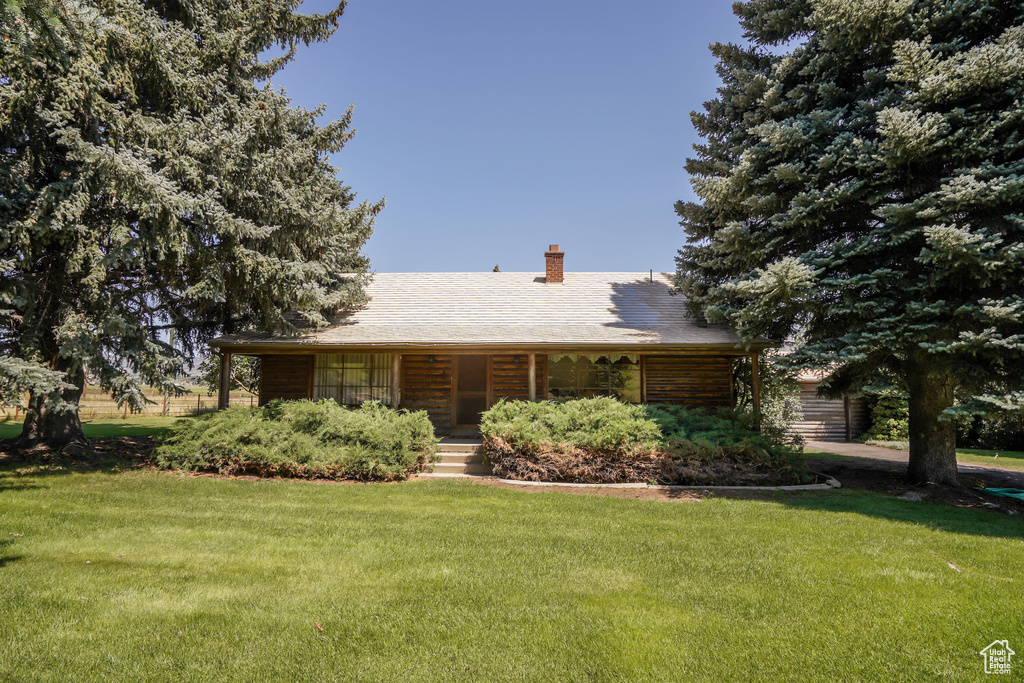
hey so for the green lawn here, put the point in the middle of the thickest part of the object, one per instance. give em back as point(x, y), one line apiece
point(1012, 460)
point(156, 576)
point(135, 426)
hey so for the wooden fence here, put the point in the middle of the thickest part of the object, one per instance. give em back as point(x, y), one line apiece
point(97, 405)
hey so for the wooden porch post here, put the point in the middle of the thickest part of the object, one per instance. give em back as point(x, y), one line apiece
point(643, 379)
point(755, 387)
point(396, 378)
point(846, 415)
point(223, 397)
point(533, 376)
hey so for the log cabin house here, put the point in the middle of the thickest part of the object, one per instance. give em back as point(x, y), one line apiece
point(453, 344)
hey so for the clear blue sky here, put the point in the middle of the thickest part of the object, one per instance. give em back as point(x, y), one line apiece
point(495, 128)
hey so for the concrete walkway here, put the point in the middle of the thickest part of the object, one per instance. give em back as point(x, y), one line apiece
point(859, 450)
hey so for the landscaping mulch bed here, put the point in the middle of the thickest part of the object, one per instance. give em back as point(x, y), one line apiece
point(858, 474)
point(861, 475)
point(546, 463)
point(880, 476)
point(132, 452)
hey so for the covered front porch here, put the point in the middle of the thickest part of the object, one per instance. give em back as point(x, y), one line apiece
point(455, 386)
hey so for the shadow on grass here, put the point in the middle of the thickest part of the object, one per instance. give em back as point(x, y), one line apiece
point(100, 430)
point(9, 482)
point(5, 560)
point(934, 515)
point(19, 473)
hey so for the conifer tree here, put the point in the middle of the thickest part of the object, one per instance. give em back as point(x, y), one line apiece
point(861, 190)
point(152, 177)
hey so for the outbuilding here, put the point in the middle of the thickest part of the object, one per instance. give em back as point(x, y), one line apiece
point(829, 419)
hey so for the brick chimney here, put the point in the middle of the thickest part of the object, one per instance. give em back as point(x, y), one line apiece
point(553, 270)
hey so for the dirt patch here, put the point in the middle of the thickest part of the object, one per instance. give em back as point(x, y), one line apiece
point(128, 450)
point(889, 478)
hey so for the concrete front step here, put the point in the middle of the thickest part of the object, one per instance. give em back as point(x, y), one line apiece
point(459, 446)
point(467, 434)
point(461, 457)
point(461, 468)
point(465, 458)
point(457, 475)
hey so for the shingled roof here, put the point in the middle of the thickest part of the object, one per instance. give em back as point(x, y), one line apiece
point(510, 310)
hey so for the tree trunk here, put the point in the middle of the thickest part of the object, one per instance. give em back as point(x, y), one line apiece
point(932, 442)
point(55, 428)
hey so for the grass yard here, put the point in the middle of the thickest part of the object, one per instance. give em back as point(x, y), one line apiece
point(1011, 460)
point(134, 426)
point(154, 576)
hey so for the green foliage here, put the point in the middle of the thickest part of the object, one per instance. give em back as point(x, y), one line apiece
point(599, 424)
point(1000, 431)
point(302, 439)
point(696, 434)
point(890, 417)
point(602, 440)
point(861, 188)
point(152, 176)
point(245, 373)
point(18, 377)
point(780, 396)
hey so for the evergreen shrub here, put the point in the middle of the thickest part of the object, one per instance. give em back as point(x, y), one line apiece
point(890, 417)
point(306, 439)
point(1003, 431)
point(599, 440)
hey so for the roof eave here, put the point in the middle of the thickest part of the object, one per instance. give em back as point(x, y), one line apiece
point(288, 346)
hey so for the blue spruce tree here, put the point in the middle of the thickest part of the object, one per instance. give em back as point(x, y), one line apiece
point(861, 189)
point(150, 176)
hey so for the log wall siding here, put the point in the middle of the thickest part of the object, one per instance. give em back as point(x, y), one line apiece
point(825, 418)
point(860, 417)
point(511, 380)
point(688, 380)
point(427, 386)
point(691, 380)
point(286, 376)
